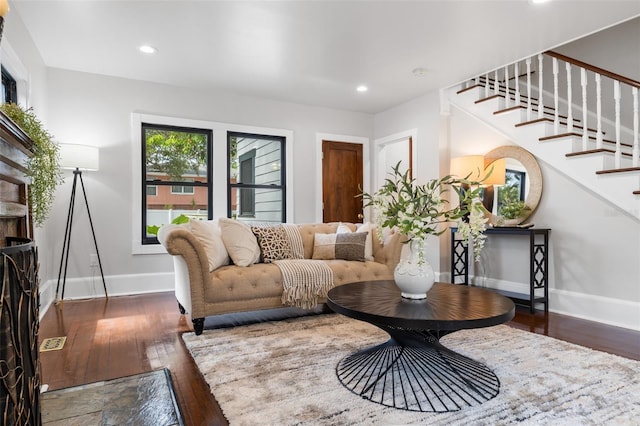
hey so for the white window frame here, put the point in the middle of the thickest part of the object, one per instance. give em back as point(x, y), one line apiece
point(14, 66)
point(219, 165)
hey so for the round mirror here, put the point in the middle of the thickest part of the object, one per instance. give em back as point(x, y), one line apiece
point(513, 202)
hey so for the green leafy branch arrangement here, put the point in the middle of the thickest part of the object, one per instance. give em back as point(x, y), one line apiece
point(422, 210)
point(43, 167)
point(510, 205)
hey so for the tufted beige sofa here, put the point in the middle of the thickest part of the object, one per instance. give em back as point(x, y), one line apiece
point(234, 288)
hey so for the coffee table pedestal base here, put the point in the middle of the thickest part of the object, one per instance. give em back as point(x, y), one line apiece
point(413, 371)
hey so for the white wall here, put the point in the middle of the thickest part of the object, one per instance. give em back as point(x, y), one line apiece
point(594, 249)
point(96, 110)
point(24, 62)
point(594, 269)
point(423, 114)
point(597, 50)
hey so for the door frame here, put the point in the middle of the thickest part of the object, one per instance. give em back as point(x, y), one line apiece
point(380, 143)
point(366, 169)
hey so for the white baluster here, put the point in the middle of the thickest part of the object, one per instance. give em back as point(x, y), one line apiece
point(486, 85)
point(636, 148)
point(616, 97)
point(540, 94)
point(495, 83)
point(585, 132)
point(516, 78)
point(556, 119)
point(569, 99)
point(529, 108)
point(598, 111)
point(506, 86)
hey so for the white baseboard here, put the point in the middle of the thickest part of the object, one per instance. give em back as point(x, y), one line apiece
point(606, 310)
point(117, 285)
point(616, 312)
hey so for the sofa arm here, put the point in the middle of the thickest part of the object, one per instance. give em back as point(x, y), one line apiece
point(388, 252)
point(193, 274)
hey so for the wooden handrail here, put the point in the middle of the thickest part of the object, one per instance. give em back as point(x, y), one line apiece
point(593, 68)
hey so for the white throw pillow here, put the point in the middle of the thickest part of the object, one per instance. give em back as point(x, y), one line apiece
point(368, 245)
point(209, 234)
point(240, 242)
point(343, 229)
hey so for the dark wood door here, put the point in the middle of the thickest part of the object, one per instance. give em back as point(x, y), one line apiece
point(341, 182)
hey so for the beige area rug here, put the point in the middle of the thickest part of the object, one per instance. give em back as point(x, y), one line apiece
point(284, 373)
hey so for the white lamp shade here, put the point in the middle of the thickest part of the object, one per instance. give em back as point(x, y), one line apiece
point(470, 165)
point(497, 176)
point(83, 157)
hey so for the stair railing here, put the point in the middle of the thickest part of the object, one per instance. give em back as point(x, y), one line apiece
point(499, 82)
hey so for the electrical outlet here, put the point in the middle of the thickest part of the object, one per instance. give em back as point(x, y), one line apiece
point(93, 260)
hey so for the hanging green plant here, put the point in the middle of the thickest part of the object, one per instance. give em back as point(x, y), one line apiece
point(43, 167)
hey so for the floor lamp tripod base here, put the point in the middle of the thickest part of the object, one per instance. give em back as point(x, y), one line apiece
point(64, 261)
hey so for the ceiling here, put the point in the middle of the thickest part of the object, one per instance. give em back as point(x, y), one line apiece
point(310, 52)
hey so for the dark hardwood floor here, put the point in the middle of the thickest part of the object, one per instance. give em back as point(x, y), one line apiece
point(128, 335)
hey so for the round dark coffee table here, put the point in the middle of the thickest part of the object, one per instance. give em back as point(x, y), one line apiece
point(412, 370)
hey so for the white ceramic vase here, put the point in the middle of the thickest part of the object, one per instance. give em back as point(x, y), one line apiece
point(413, 277)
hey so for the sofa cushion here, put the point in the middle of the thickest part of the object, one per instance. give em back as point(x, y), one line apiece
point(368, 227)
point(347, 246)
point(240, 242)
point(273, 242)
point(209, 234)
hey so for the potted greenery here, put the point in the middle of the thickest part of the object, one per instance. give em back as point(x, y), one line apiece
point(509, 204)
point(418, 211)
point(43, 167)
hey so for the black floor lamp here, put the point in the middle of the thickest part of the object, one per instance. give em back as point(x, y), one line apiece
point(77, 158)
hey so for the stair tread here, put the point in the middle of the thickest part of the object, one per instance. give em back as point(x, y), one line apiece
point(466, 89)
point(590, 151)
point(592, 138)
point(622, 170)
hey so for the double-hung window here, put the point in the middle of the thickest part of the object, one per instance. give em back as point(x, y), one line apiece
point(257, 189)
point(176, 175)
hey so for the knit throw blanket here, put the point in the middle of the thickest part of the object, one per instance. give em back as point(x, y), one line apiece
point(304, 280)
point(295, 240)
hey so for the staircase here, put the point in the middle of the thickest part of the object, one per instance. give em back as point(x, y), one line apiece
point(592, 138)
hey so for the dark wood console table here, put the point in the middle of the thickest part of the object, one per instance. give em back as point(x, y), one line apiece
point(538, 263)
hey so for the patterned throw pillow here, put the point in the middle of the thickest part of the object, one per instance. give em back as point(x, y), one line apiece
point(273, 242)
point(347, 246)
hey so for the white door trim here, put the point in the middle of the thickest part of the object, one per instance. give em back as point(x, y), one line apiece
point(380, 143)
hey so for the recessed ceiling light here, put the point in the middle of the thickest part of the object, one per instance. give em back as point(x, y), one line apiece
point(145, 48)
point(362, 88)
point(538, 1)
